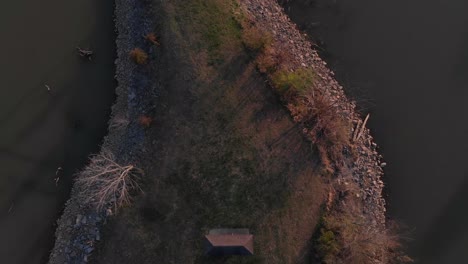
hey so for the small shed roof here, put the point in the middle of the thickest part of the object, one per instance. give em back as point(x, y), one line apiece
point(223, 243)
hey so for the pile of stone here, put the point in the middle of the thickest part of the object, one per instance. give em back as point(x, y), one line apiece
point(77, 233)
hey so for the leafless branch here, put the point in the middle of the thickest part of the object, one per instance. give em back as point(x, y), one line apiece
point(119, 122)
point(105, 182)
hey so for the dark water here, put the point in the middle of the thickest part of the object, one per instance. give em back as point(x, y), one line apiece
point(41, 130)
point(406, 62)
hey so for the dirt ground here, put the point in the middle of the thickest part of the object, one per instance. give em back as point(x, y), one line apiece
point(223, 152)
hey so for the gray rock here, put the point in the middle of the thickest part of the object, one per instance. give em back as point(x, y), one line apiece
point(78, 219)
point(89, 250)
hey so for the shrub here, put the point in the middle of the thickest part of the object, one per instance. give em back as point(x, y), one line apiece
point(145, 121)
point(299, 81)
point(345, 235)
point(105, 182)
point(394, 244)
point(273, 58)
point(267, 61)
point(327, 245)
point(255, 39)
point(327, 129)
point(151, 37)
point(139, 56)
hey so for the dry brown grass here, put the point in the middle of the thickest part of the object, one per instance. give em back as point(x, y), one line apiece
point(104, 182)
point(289, 230)
point(139, 56)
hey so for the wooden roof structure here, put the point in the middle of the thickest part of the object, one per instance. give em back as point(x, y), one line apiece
point(226, 242)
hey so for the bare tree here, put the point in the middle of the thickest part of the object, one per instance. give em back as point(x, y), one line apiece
point(105, 182)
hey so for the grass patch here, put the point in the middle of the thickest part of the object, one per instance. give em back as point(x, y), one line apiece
point(225, 153)
point(211, 26)
point(297, 82)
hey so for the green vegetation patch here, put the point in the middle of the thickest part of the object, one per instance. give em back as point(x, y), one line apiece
point(298, 81)
point(326, 244)
point(212, 26)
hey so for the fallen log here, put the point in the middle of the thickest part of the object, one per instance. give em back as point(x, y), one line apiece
point(363, 126)
point(85, 53)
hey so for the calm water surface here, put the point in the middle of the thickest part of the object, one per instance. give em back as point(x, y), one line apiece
point(406, 62)
point(41, 130)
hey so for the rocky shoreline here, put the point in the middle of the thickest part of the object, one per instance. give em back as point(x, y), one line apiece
point(79, 227)
point(367, 170)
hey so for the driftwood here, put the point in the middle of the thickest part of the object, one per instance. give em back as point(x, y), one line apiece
point(57, 179)
point(85, 53)
point(358, 135)
point(356, 130)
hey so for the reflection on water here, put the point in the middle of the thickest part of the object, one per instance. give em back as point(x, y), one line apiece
point(409, 59)
point(53, 113)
